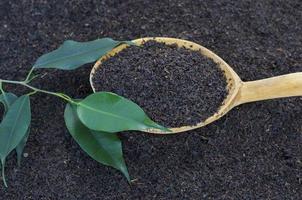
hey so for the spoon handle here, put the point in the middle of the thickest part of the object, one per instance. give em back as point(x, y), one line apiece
point(271, 88)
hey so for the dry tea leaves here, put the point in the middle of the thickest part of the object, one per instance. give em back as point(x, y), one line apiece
point(175, 86)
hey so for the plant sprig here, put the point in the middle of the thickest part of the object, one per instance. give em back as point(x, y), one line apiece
point(93, 122)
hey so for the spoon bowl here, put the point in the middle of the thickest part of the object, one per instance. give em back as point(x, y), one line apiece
point(239, 92)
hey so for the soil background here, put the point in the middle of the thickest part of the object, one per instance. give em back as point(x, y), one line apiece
point(255, 152)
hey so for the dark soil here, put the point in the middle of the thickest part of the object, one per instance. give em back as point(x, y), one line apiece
point(254, 152)
point(175, 86)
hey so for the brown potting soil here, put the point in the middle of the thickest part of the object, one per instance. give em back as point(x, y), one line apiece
point(254, 152)
point(175, 86)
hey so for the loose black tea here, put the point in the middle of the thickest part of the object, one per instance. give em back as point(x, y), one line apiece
point(175, 86)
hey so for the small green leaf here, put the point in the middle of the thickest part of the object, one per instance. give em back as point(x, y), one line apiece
point(105, 111)
point(106, 148)
point(7, 99)
point(13, 128)
point(72, 54)
point(20, 147)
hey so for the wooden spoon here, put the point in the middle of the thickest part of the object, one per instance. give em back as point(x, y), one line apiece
point(239, 92)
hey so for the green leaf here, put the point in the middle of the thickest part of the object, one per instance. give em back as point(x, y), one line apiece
point(7, 99)
point(106, 148)
point(72, 54)
point(13, 128)
point(20, 147)
point(105, 111)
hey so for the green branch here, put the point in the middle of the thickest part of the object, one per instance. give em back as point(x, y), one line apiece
point(23, 83)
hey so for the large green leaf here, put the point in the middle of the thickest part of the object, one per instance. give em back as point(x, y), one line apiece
point(72, 54)
point(14, 127)
point(105, 111)
point(103, 147)
point(8, 99)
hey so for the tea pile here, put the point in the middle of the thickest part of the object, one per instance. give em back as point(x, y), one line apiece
point(175, 86)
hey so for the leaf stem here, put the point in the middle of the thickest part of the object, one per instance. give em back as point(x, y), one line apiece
point(28, 75)
point(61, 95)
point(3, 172)
point(31, 93)
point(2, 91)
